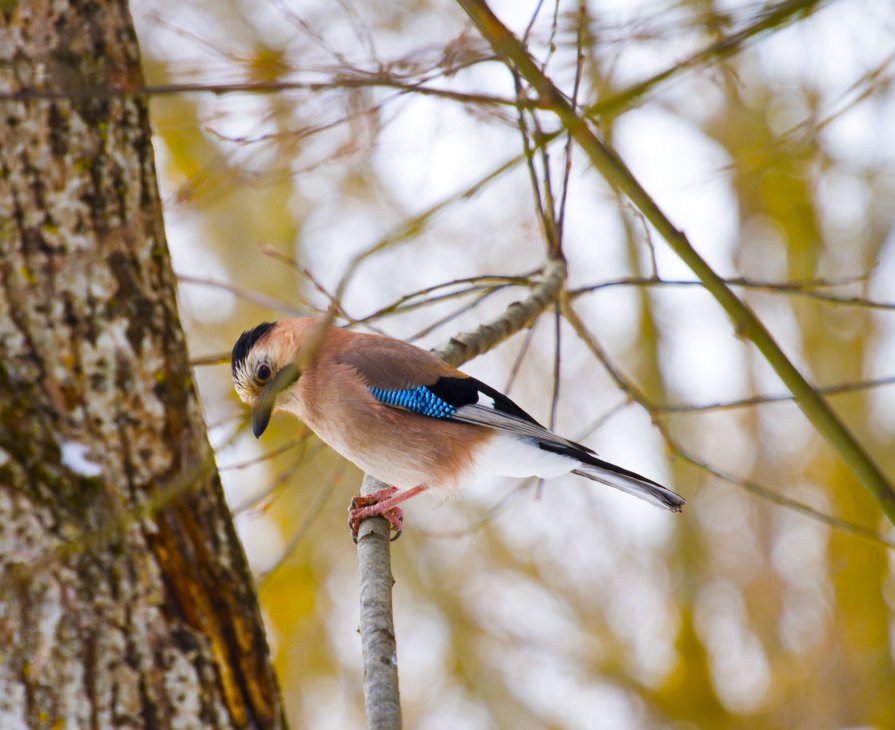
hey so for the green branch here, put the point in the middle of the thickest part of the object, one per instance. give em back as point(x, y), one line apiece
point(746, 323)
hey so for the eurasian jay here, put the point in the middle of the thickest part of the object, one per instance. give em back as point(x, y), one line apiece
point(406, 417)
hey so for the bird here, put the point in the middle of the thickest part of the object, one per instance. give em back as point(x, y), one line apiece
point(406, 417)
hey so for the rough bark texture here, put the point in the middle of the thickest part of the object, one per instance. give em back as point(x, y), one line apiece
point(382, 700)
point(125, 598)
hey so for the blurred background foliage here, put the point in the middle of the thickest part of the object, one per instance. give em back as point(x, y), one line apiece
point(770, 141)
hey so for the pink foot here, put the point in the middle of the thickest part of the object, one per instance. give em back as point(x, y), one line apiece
point(383, 504)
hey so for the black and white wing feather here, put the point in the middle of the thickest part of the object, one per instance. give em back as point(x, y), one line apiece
point(468, 400)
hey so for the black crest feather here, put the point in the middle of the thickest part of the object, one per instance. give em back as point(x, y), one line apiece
point(246, 342)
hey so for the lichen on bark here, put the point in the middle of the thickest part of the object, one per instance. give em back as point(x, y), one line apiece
point(125, 599)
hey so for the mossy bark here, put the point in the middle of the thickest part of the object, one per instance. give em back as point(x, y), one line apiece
point(125, 597)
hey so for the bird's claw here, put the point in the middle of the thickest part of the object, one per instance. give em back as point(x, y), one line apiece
point(367, 500)
point(364, 506)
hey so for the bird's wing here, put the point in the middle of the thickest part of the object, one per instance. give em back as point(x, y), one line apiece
point(402, 375)
point(391, 364)
point(480, 404)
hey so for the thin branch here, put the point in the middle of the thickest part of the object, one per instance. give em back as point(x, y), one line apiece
point(451, 316)
point(517, 363)
point(412, 228)
point(217, 358)
point(602, 420)
point(567, 150)
point(267, 456)
point(253, 87)
point(315, 507)
point(305, 272)
point(759, 400)
point(532, 20)
point(557, 365)
point(473, 283)
point(262, 300)
point(634, 393)
point(771, 496)
point(772, 18)
point(807, 289)
point(484, 519)
point(275, 487)
point(529, 153)
point(394, 310)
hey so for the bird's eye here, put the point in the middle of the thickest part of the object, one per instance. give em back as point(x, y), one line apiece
point(263, 372)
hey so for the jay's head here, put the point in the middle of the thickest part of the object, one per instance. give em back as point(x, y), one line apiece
point(263, 366)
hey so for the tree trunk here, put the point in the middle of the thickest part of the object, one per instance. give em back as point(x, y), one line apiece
point(125, 597)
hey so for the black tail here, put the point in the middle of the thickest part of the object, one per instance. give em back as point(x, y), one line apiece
point(611, 475)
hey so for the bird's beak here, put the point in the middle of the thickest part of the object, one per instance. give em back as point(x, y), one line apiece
point(262, 410)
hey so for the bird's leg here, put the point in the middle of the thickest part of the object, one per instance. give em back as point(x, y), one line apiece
point(383, 503)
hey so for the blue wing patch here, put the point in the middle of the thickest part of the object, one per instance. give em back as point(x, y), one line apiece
point(416, 400)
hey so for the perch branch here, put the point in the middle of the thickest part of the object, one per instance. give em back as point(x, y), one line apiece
point(377, 629)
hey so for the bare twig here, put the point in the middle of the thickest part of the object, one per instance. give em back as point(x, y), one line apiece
point(270, 251)
point(288, 446)
point(557, 366)
point(758, 400)
point(315, 507)
point(807, 289)
point(469, 306)
point(262, 300)
point(770, 495)
point(216, 358)
point(250, 87)
point(470, 284)
point(260, 502)
point(567, 149)
point(772, 18)
point(411, 228)
point(517, 363)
